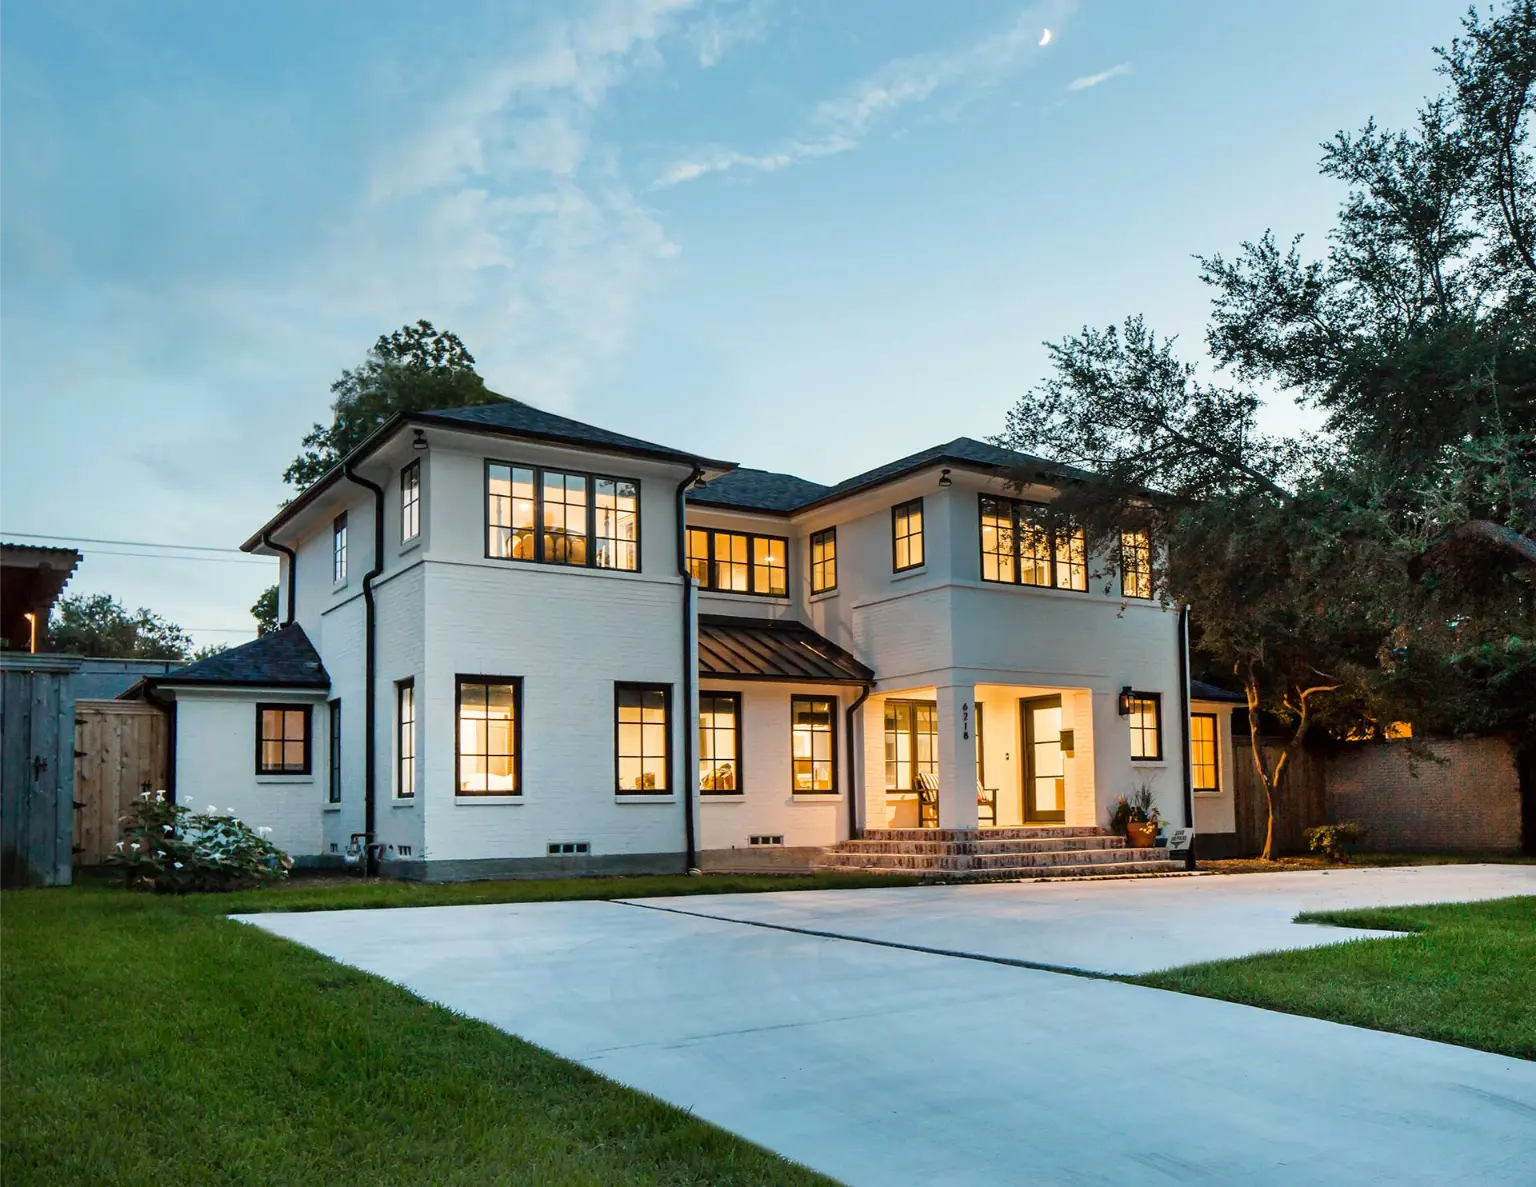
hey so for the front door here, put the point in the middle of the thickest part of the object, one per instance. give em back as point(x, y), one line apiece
point(1045, 783)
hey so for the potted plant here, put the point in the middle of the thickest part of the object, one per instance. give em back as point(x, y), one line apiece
point(1141, 818)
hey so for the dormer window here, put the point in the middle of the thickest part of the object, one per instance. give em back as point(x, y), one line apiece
point(559, 517)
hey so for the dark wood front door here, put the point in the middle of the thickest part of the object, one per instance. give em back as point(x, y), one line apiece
point(1045, 783)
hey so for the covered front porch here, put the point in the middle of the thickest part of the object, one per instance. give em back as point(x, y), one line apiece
point(980, 756)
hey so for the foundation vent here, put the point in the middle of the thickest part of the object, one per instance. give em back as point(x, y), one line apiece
point(335, 848)
point(766, 839)
point(569, 848)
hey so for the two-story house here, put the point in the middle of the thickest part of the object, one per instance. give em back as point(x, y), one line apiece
point(513, 643)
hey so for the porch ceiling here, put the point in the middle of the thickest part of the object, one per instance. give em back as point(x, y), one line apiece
point(763, 649)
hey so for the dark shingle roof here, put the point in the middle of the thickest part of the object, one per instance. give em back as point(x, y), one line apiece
point(757, 490)
point(1199, 690)
point(768, 649)
point(761, 490)
point(513, 416)
point(283, 658)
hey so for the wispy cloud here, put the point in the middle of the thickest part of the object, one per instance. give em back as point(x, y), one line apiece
point(840, 124)
point(728, 27)
point(1093, 80)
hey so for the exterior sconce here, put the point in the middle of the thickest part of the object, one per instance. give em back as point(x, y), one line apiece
point(420, 442)
point(1125, 701)
point(944, 479)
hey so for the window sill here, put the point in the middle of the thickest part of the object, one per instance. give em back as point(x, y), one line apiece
point(339, 586)
point(908, 574)
point(1211, 793)
point(403, 803)
point(824, 595)
point(331, 807)
point(292, 779)
point(815, 797)
point(635, 798)
point(1149, 762)
point(746, 595)
point(488, 799)
point(410, 545)
point(720, 797)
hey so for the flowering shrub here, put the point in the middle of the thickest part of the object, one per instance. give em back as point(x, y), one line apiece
point(172, 850)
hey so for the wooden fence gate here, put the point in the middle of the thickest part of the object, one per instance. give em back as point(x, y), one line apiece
point(120, 752)
point(1302, 803)
point(37, 701)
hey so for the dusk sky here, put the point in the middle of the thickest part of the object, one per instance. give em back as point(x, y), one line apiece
point(806, 235)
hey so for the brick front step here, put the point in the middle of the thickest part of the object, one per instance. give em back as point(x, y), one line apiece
point(985, 845)
point(984, 834)
point(961, 863)
point(1139, 869)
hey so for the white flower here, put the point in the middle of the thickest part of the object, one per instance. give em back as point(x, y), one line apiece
point(120, 846)
point(264, 830)
point(135, 846)
point(160, 795)
point(143, 795)
point(212, 810)
point(167, 828)
point(159, 852)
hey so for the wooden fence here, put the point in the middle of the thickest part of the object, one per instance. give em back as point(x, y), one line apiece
point(1302, 803)
point(120, 752)
point(36, 770)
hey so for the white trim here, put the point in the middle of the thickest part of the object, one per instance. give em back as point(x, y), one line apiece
point(644, 799)
point(293, 779)
point(714, 797)
point(489, 799)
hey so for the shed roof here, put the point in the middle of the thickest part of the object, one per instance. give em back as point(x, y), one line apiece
point(1199, 690)
point(768, 649)
point(284, 658)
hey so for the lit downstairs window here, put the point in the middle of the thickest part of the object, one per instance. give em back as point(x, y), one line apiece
point(641, 746)
point(1146, 721)
point(719, 743)
point(489, 725)
point(811, 744)
point(1202, 753)
point(282, 739)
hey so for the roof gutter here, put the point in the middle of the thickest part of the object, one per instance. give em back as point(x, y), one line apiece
point(690, 771)
point(1189, 781)
point(293, 572)
point(370, 651)
point(853, 762)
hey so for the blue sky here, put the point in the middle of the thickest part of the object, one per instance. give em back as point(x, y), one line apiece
point(807, 235)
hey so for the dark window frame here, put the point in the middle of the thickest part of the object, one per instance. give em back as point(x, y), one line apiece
point(309, 737)
point(592, 478)
point(1156, 701)
point(823, 538)
point(734, 697)
point(832, 702)
point(339, 539)
point(912, 732)
point(1142, 569)
point(1017, 521)
point(1215, 787)
point(709, 562)
point(921, 535)
point(516, 682)
point(333, 751)
point(401, 758)
point(410, 499)
point(620, 687)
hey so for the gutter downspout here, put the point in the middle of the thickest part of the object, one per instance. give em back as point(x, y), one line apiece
point(293, 574)
point(370, 649)
point(853, 762)
point(690, 772)
point(1189, 783)
point(168, 707)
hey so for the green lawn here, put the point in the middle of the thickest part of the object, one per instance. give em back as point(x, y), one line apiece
point(1467, 975)
point(147, 1040)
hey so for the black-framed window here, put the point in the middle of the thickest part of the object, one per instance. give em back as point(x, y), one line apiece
point(333, 791)
point(560, 517)
point(720, 743)
point(1135, 564)
point(907, 535)
point(1015, 550)
point(339, 549)
point(739, 562)
point(813, 744)
point(642, 741)
point(824, 560)
point(405, 739)
point(282, 739)
point(490, 722)
point(410, 501)
point(1146, 721)
point(1204, 757)
point(911, 743)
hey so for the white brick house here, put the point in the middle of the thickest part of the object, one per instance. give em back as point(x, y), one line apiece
point(513, 643)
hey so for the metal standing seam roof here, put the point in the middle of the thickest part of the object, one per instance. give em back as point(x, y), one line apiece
point(765, 649)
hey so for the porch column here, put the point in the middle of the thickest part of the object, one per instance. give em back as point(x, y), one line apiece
point(957, 756)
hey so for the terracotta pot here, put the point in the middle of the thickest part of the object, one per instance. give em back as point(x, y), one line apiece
point(1141, 836)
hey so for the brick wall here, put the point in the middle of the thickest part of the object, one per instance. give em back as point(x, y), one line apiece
point(1469, 801)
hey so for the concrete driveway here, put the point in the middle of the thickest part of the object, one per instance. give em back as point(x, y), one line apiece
point(887, 1066)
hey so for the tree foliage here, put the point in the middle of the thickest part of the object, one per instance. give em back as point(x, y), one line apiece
point(415, 369)
point(264, 611)
point(100, 625)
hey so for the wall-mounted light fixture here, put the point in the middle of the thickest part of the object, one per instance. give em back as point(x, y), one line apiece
point(944, 478)
point(420, 443)
point(1125, 701)
point(32, 631)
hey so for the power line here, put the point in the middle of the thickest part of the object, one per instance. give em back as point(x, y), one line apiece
point(171, 556)
point(129, 543)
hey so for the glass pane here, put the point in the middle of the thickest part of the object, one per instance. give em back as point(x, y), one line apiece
point(629, 740)
point(654, 774)
point(293, 755)
point(271, 755)
point(271, 723)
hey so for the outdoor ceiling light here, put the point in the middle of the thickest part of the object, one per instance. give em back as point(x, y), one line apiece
point(420, 443)
point(1125, 701)
point(944, 478)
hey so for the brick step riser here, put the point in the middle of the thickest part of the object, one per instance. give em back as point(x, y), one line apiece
point(993, 834)
point(959, 863)
point(1034, 845)
point(1035, 873)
